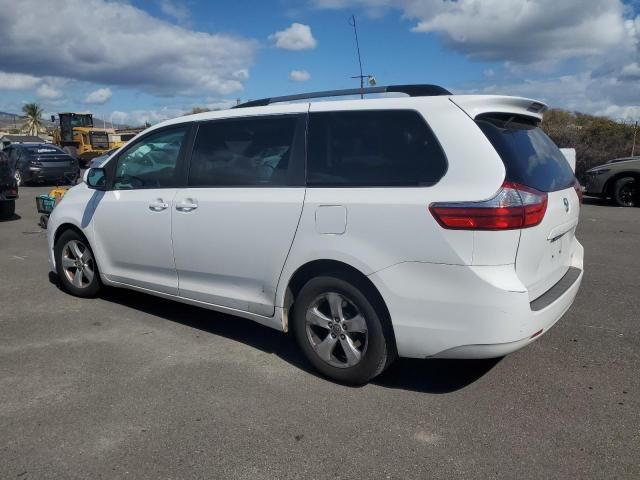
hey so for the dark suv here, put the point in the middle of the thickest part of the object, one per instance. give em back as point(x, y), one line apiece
point(617, 179)
point(41, 162)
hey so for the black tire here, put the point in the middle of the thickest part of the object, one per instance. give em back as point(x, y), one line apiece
point(380, 348)
point(7, 208)
point(626, 192)
point(87, 289)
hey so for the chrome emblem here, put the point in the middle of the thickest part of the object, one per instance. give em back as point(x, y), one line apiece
point(566, 204)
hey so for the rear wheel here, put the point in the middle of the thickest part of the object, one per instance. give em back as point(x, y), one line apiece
point(76, 266)
point(340, 329)
point(625, 192)
point(7, 208)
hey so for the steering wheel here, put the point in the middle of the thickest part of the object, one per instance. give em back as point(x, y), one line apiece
point(130, 180)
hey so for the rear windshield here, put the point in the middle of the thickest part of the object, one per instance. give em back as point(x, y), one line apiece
point(529, 155)
point(43, 150)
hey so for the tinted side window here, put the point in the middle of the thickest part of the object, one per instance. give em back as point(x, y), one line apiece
point(373, 148)
point(151, 162)
point(530, 157)
point(243, 152)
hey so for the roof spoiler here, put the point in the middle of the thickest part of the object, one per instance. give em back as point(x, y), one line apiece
point(474, 105)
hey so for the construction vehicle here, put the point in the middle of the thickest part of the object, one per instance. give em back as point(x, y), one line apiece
point(77, 136)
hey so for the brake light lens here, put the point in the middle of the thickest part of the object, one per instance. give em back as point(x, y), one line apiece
point(578, 187)
point(515, 206)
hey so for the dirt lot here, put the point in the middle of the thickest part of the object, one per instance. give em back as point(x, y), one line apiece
point(131, 386)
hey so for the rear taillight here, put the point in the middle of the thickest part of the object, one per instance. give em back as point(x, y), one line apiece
point(514, 206)
point(578, 187)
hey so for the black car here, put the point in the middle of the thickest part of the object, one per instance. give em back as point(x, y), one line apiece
point(41, 162)
point(8, 188)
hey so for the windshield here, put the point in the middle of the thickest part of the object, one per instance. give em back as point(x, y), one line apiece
point(529, 155)
point(77, 120)
point(44, 150)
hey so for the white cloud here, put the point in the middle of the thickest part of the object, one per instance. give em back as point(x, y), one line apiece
point(299, 75)
point(533, 31)
point(540, 31)
point(297, 37)
point(140, 117)
point(581, 92)
point(176, 10)
point(631, 71)
point(99, 97)
point(17, 81)
point(115, 43)
point(47, 92)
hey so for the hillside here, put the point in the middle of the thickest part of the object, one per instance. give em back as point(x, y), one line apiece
point(596, 139)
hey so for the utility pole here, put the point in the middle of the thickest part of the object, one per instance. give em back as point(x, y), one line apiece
point(633, 146)
point(352, 22)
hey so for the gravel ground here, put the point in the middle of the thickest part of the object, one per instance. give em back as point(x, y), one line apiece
point(131, 386)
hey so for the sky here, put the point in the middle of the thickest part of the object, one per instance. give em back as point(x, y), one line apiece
point(147, 60)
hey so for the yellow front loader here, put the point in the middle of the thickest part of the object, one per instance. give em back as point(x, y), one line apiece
point(77, 136)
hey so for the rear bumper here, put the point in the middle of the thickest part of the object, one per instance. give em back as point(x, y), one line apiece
point(35, 174)
point(450, 311)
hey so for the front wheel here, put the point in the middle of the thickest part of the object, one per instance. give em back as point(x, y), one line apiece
point(626, 192)
point(76, 266)
point(339, 327)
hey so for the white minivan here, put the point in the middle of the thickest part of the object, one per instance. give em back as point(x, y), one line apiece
point(429, 225)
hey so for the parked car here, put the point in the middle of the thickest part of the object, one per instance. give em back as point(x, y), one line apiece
point(434, 225)
point(617, 179)
point(41, 163)
point(8, 188)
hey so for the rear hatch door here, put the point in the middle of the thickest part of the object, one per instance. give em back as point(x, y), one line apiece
point(532, 159)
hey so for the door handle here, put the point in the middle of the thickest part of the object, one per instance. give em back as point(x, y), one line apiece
point(187, 205)
point(158, 205)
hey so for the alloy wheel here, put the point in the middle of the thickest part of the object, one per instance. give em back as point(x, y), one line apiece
point(628, 194)
point(18, 177)
point(78, 264)
point(336, 330)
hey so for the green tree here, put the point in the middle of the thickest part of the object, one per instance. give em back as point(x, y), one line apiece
point(33, 118)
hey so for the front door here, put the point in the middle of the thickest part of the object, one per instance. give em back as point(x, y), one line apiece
point(132, 220)
point(234, 224)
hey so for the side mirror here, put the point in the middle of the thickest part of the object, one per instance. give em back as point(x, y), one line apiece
point(96, 178)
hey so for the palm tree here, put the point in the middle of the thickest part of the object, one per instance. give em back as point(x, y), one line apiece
point(33, 121)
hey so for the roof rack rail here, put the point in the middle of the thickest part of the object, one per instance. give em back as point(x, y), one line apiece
point(411, 90)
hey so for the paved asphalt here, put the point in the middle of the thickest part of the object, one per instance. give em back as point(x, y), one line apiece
point(131, 386)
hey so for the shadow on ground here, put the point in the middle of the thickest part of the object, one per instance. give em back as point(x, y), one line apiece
point(428, 376)
point(10, 219)
point(597, 201)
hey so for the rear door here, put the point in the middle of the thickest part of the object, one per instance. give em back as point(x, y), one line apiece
point(234, 224)
point(533, 160)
